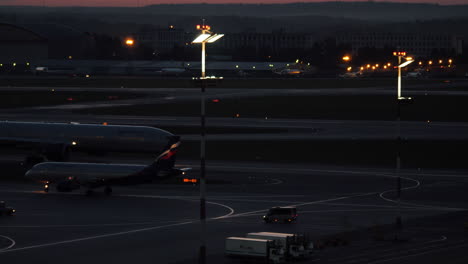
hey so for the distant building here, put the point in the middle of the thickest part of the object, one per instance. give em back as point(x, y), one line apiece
point(21, 46)
point(64, 42)
point(274, 42)
point(163, 39)
point(416, 44)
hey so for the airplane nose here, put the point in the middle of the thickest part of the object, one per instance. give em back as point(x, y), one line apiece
point(29, 174)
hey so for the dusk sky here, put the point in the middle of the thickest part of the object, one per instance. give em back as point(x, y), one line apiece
point(135, 3)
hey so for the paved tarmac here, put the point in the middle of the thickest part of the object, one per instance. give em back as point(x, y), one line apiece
point(159, 223)
point(293, 129)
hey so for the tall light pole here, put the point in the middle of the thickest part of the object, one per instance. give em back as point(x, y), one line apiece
point(400, 100)
point(205, 37)
point(130, 43)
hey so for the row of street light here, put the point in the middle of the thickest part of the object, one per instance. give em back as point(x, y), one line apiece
point(207, 36)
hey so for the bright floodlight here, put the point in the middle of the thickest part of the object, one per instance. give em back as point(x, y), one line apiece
point(404, 64)
point(129, 42)
point(201, 38)
point(214, 38)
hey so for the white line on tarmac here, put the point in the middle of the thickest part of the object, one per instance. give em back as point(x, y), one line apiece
point(225, 206)
point(418, 183)
point(276, 181)
point(12, 243)
point(118, 233)
point(94, 237)
point(302, 204)
point(90, 225)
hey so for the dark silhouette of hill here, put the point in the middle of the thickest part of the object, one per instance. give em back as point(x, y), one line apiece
point(315, 18)
point(380, 11)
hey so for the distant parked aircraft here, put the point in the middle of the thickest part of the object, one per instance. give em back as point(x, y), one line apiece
point(171, 71)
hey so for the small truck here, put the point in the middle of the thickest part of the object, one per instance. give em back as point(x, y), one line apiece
point(286, 214)
point(295, 246)
point(4, 210)
point(263, 250)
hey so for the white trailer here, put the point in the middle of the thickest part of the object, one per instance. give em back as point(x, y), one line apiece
point(295, 246)
point(254, 248)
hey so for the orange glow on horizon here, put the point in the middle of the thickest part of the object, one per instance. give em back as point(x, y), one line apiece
point(133, 3)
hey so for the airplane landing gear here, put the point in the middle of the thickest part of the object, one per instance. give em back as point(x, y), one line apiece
point(108, 190)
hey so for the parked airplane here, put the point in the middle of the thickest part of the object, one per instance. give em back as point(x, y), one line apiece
point(71, 176)
point(171, 71)
point(54, 141)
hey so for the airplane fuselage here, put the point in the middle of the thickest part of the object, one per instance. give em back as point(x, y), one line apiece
point(87, 137)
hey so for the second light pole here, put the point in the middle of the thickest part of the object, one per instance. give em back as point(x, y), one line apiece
point(205, 37)
point(400, 100)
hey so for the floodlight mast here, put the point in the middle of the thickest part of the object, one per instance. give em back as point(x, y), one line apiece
point(205, 37)
point(401, 54)
point(400, 100)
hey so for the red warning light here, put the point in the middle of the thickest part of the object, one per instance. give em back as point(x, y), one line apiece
point(70, 99)
point(399, 53)
point(190, 180)
point(215, 100)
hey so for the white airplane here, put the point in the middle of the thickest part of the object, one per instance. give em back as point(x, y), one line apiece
point(171, 71)
point(71, 176)
point(54, 141)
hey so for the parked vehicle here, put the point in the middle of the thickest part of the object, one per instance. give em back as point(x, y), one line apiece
point(285, 214)
point(260, 249)
point(295, 246)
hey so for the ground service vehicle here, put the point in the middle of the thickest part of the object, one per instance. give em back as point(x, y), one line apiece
point(295, 246)
point(285, 214)
point(260, 249)
point(4, 210)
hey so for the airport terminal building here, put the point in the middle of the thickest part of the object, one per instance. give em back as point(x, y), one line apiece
point(416, 44)
point(19, 45)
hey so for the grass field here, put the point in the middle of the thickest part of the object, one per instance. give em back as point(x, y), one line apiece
point(368, 107)
point(11, 99)
point(414, 154)
point(148, 82)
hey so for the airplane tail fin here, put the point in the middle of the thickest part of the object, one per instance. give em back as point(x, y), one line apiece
point(163, 166)
point(166, 160)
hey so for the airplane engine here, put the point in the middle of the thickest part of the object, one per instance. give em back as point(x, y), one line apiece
point(67, 186)
point(57, 152)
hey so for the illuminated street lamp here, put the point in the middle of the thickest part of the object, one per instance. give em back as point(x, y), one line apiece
point(400, 100)
point(205, 37)
point(129, 42)
point(409, 60)
point(346, 58)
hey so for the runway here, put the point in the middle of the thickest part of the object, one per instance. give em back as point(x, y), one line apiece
point(159, 223)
